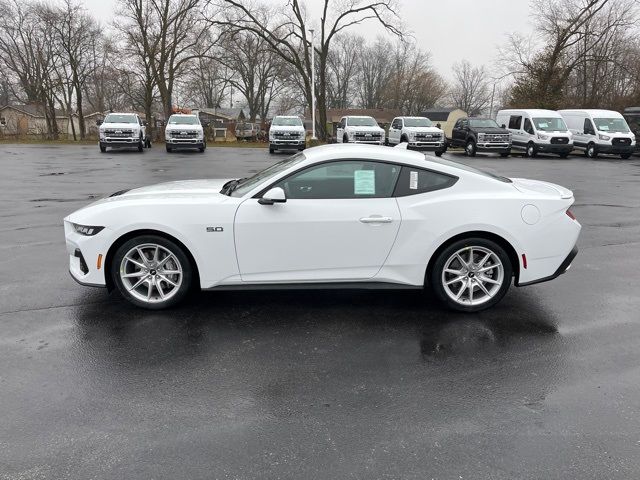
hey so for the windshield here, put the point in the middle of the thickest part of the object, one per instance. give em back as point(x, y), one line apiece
point(483, 123)
point(550, 124)
point(361, 122)
point(467, 168)
point(417, 122)
point(286, 122)
point(247, 184)
point(183, 120)
point(120, 118)
point(611, 125)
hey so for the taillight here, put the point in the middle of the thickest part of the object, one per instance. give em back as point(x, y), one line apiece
point(571, 215)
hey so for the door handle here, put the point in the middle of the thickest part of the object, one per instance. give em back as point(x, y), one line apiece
point(376, 219)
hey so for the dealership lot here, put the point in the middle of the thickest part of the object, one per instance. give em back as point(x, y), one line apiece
point(313, 385)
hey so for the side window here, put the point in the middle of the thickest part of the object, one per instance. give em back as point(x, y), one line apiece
point(588, 127)
point(343, 122)
point(414, 181)
point(515, 122)
point(528, 127)
point(345, 179)
point(464, 123)
point(458, 124)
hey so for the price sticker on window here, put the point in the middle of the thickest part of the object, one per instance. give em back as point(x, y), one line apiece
point(364, 182)
point(413, 181)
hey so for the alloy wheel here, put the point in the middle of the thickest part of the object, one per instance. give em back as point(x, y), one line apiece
point(151, 273)
point(472, 276)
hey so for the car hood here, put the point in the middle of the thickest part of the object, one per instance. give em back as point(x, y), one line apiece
point(365, 129)
point(538, 187)
point(495, 130)
point(286, 128)
point(184, 128)
point(128, 126)
point(423, 129)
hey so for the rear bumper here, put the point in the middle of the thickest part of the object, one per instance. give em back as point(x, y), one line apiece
point(564, 266)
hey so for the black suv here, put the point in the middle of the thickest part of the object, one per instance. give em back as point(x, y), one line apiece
point(477, 134)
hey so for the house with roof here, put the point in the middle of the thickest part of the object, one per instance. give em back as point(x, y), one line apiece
point(28, 119)
point(446, 117)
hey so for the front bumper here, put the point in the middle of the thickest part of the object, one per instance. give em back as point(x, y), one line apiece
point(428, 146)
point(368, 142)
point(493, 147)
point(83, 254)
point(616, 149)
point(119, 141)
point(287, 143)
point(554, 148)
point(564, 266)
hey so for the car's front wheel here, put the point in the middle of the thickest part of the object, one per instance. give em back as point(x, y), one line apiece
point(472, 274)
point(152, 272)
point(470, 148)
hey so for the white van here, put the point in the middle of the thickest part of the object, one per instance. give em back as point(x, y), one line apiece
point(537, 131)
point(600, 131)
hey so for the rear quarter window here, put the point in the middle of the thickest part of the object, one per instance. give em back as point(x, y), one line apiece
point(414, 181)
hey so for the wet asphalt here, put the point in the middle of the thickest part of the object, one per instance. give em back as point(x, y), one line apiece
point(315, 385)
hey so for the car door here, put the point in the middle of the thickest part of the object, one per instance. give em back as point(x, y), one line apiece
point(528, 132)
point(339, 223)
point(340, 130)
point(589, 133)
point(517, 134)
point(459, 132)
point(395, 131)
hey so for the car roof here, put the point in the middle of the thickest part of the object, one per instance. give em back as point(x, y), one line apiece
point(593, 111)
point(183, 115)
point(358, 116)
point(532, 111)
point(412, 117)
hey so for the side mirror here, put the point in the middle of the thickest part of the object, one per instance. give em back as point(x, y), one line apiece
point(504, 126)
point(144, 123)
point(98, 122)
point(275, 195)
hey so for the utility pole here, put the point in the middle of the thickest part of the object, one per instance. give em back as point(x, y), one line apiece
point(313, 85)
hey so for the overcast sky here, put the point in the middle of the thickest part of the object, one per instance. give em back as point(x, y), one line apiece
point(450, 29)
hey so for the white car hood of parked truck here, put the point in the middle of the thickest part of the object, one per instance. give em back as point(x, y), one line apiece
point(286, 128)
point(422, 130)
point(183, 128)
point(120, 126)
point(371, 129)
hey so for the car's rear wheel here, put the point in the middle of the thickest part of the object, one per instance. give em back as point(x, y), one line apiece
point(152, 272)
point(472, 274)
point(531, 150)
point(625, 156)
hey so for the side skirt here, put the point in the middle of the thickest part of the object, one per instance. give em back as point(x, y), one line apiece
point(317, 286)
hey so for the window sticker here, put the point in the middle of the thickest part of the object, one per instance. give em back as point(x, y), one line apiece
point(413, 181)
point(543, 125)
point(364, 182)
point(603, 128)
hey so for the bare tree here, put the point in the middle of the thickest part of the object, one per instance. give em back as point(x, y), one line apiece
point(470, 90)
point(343, 64)
point(375, 73)
point(285, 28)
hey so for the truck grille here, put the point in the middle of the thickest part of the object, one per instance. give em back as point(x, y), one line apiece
point(183, 134)
point(560, 140)
point(428, 137)
point(495, 138)
point(286, 135)
point(118, 133)
point(621, 141)
point(367, 137)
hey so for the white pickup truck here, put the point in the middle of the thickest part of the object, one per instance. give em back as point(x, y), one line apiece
point(286, 133)
point(418, 133)
point(359, 129)
point(184, 131)
point(122, 130)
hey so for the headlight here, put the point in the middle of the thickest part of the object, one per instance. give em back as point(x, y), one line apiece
point(412, 135)
point(543, 137)
point(606, 138)
point(87, 230)
point(481, 136)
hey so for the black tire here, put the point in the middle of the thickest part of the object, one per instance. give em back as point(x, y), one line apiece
point(504, 155)
point(141, 145)
point(625, 156)
point(531, 151)
point(202, 148)
point(176, 250)
point(439, 154)
point(169, 149)
point(436, 275)
point(470, 148)
point(564, 155)
point(271, 150)
point(103, 148)
point(345, 138)
point(591, 151)
point(147, 142)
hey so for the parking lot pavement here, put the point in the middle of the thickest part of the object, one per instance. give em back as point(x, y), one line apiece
point(313, 385)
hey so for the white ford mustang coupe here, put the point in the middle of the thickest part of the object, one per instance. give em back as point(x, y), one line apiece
point(334, 216)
